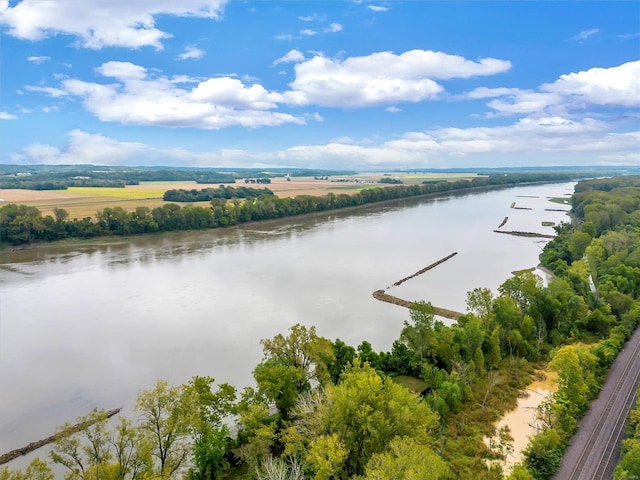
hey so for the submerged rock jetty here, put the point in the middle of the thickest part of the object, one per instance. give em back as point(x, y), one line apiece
point(18, 452)
point(525, 234)
point(425, 269)
point(441, 312)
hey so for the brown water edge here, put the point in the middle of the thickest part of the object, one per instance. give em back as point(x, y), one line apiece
point(522, 421)
point(18, 452)
point(525, 234)
point(442, 312)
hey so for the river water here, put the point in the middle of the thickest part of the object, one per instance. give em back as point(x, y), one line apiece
point(85, 327)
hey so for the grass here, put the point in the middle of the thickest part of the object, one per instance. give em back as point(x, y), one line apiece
point(548, 224)
point(412, 383)
point(563, 201)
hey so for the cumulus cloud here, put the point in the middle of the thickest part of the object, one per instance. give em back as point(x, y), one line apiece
point(382, 77)
point(101, 23)
point(138, 97)
point(558, 138)
point(333, 28)
point(617, 86)
point(601, 86)
point(307, 32)
point(191, 52)
point(292, 56)
point(38, 59)
point(7, 116)
point(83, 147)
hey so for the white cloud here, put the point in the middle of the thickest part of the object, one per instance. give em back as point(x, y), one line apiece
point(333, 28)
point(601, 86)
point(7, 116)
point(284, 36)
point(393, 109)
point(51, 91)
point(101, 23)
point(574, 93)
point(377, 8)
point(629, 35)
point(553, 139)
point(292, 56)
point(484, 92)
point(144, 99)
point(584, 34)
point(191, 52)
point(313, 18)
point(307, 32)
point(559, 140)
point(38, 60)
point(382, 77)
point(83, 147)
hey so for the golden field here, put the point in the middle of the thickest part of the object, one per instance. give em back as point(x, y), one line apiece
point(83, 202)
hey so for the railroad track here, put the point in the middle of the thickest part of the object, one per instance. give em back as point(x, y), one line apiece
point(595, 448)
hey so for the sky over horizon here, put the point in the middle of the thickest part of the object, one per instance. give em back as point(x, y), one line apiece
point(349, 85)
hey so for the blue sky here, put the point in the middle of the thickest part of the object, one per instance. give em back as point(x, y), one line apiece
point(320, 84)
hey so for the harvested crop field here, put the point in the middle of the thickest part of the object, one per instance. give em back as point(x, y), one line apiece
point(83, 202)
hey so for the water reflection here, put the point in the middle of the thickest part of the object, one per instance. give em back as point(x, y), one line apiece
point(89, 326)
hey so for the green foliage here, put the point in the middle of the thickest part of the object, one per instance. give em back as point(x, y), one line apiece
point(292, 365)
point(208, 194)
point(406, 459)
point(20, 224)
point(36, 470)
point(542, 456)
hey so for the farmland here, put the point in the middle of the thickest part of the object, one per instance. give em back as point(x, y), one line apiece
point(83, 202)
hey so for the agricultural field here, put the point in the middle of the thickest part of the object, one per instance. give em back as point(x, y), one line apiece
point(83, 202)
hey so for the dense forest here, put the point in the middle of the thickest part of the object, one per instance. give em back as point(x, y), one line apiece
point(20, 224)
point(322, 409)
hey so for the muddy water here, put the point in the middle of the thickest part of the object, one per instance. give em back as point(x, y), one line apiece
point(90, 326)
point(522, 421)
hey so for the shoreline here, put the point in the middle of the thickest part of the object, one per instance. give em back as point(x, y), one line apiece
point(113, 239)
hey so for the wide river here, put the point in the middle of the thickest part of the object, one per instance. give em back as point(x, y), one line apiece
point(87, 327)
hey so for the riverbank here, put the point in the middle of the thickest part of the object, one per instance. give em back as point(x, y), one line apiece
point(88, 228)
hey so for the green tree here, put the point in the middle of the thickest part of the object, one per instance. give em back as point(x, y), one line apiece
point(363, 413)
point(167, 416)
point(36, 470)
point(418, 334)
point(212, 442)
point(86, 453)
point(406, 459)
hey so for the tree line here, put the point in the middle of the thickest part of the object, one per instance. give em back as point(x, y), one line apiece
point(61, 177)
point(208, 194)
point(323, 410)
point(20, 224)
